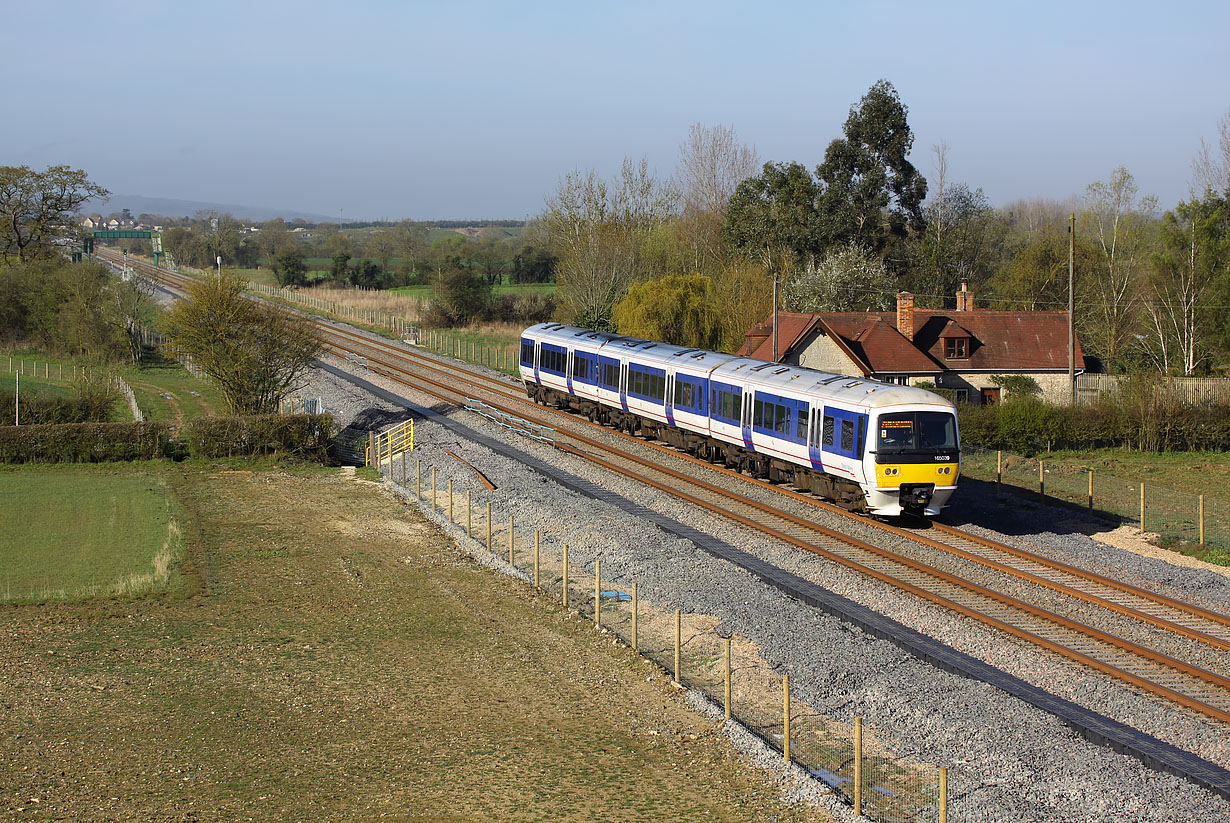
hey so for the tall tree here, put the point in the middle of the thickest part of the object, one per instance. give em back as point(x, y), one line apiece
point(712, 164)
point(772, 217)
point(870, 193)
point(36, 207)
point(1193, 256)
point(1211, 168)
point(599, 232)
point(1122, 226)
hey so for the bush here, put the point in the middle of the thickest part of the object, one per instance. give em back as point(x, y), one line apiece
point(301, 435)
point(85, 442)
point(1028, 426)
point(94, 403)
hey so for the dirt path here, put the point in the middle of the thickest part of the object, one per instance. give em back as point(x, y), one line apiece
point(333, 657)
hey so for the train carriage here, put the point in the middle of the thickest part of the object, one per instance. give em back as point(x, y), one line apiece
point(870, 446)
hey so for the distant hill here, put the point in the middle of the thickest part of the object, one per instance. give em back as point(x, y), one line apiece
point(166, 207)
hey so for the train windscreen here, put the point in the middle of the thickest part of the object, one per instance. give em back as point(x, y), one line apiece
point(929, 432)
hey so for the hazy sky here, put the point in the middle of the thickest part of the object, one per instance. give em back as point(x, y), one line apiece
point(467, 109)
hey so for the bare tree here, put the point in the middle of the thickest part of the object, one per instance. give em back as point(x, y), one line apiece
point(598, 231)
point(1122, 227)
point(712, 164)
point(940, 150)
point(1211, 168)
point(256, 352)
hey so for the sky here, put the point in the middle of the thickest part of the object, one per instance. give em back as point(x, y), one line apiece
point(452, 110)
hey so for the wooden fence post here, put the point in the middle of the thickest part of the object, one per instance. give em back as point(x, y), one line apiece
point(943, 794)
point(1142, 507)
point(418, 483)
point(1091, 490)
point(1041, 480)
point(999, 470)
point(858, 765)
point(1201, 519)
point(635, 605)
point(728, 678)
point(785, 717)
point(677, 644)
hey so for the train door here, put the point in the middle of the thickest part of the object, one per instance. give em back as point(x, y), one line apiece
point(669, 400)
point(537, 357)
point(746, 418)
point(815, 418)
point(568, 369)
point(623, 385)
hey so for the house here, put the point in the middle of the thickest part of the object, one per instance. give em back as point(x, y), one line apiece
point(92, 222)
point(957, 349)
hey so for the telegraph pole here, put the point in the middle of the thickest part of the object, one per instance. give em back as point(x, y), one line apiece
point(1071, 309)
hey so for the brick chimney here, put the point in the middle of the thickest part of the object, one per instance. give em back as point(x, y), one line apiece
point(965, 297)
point(905, 314)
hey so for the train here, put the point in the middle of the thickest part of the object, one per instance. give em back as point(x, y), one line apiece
point(783, 423)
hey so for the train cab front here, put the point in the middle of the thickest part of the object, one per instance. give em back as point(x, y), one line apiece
point(917, 462)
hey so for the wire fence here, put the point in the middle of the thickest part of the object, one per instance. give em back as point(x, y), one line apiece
point(693, 651)
point(1198, 519)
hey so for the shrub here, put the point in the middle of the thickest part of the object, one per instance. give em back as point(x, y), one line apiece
point(94, 403)
point(301, 435)
point(85, 442)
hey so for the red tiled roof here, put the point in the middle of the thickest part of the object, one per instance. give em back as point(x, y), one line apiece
point(1010, 340)
point(1022, 340)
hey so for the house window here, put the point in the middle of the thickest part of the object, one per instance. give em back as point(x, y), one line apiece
point(956, 348)
point(896, 379)
point(961, 395)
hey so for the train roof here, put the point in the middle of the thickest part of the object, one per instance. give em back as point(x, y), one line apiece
point(855, 390)
point(781, 376)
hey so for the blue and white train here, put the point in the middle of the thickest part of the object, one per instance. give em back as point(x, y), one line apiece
point(779, 422)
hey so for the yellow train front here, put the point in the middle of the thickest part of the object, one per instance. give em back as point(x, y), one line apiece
point(913, 462)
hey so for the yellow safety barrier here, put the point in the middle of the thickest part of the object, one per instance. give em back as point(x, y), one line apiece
point(383, 447)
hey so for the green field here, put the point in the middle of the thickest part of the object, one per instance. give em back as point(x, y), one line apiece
point(75, 532)
point(339, 659)
point(166, 391)
point(424, 292)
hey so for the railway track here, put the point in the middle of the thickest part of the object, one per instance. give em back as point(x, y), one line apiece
point(1164, 675)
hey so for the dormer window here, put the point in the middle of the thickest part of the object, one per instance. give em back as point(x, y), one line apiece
point(956, 348)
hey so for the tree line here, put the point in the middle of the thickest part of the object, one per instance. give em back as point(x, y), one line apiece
point(692, 258)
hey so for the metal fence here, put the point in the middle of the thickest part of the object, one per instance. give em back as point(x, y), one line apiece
point(1199, 391)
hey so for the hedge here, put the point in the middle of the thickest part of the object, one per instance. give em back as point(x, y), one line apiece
point(1028, 426)
point(301, 435)
point(85, 442)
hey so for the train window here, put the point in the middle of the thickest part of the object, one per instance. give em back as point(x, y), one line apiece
point(847, 435)
point(829, 426)
point(527, 353)
point(781, 419)
point(800, 433)
point(758, 412)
